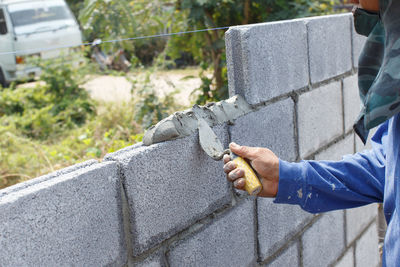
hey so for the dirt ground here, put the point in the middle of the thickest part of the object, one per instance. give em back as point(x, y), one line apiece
point(118, 88)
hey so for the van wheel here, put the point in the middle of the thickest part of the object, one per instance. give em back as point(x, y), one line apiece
point(3, 81)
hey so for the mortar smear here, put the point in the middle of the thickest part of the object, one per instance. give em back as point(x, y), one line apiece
point(184, 123)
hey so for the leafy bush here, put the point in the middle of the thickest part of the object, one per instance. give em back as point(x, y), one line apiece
point(149, 107)
point(52, 106)
point(210, 48)
point(22, 158)
point(55, 124)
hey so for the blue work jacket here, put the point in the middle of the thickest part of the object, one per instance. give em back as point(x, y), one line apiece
point(357, 180)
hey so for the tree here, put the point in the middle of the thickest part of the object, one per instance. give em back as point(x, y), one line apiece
point(75, 6)
point(121, 19)
point(203, 14)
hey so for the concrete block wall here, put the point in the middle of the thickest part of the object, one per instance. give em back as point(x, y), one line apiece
point(313, 107)
point(169, 204)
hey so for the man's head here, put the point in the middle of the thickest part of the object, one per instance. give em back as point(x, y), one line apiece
point(370, 5)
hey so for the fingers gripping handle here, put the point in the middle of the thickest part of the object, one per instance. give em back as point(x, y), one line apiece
point(253, 185)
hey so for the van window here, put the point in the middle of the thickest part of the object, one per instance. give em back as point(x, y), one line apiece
point(32, 15)
point(3, 24)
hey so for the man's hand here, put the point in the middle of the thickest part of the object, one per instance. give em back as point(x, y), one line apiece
point(263, 161)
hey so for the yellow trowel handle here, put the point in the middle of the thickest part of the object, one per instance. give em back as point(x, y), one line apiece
point(253, 185)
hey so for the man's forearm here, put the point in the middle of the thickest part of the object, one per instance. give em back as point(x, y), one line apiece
point(326, 185)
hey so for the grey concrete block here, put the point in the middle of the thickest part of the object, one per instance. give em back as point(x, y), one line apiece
point(71, 220)
point(352, 102)
point(289, 257)
point(157, 259)
point(267, 60)
point(358, 219)
point(43, 178)
point(347, 260)
point(358, 44)
point(169, 186)
point(227, 241)
point(338, 150)
point(367, 251)
point(276, 224)
point(320, 117)
point(324, 241)
point(329, 39)
point(271, 127)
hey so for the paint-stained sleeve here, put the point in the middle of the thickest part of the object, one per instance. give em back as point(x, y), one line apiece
point(319, 186)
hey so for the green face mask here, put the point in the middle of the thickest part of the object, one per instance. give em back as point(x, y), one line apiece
point(364, 21)
point(379, 65)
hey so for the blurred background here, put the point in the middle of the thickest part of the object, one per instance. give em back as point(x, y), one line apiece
point(73, 88)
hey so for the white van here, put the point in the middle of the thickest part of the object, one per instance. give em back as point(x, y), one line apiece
point(33, 28)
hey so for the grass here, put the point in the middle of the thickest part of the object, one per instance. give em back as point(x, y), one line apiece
point(22, 158)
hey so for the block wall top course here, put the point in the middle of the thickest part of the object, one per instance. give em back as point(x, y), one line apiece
point(185, 123)
point(40, 179)
point(267, 60)
point(330, 46)
point(74, 219)
point(228, 241)
point(169, 186)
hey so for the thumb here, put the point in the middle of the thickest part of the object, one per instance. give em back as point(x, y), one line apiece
point(243, 151)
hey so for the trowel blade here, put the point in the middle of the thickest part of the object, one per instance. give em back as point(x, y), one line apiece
point(209, 141)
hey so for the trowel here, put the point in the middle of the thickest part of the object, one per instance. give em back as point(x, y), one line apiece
point(213, 147)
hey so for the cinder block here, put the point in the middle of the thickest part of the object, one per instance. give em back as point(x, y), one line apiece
point(358, 44)
point(338, 150)
point(71, 220)
point(227, 241)
point(276, 224)
point(271, 127)
point(157, 259)
point(352, 102)
point(267, 60)
point(169, 186)
point(320, 117)
point(40, 179)
point(324, 241)
point(290, 257)
point(367, 251)
point(347, 260)
point(357, 220)
point(329, 39)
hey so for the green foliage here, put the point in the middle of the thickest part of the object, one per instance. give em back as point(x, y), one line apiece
point(75, 6)
point(49, 108)
point(149, 107)
point(119, 19)
point(22, 158)
point(112, 19)
point(209, 47)
point(55, 124)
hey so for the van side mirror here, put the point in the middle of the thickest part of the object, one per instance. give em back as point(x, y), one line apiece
point(3, 24)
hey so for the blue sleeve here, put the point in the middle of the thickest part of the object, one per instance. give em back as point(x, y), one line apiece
point(319, 186)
